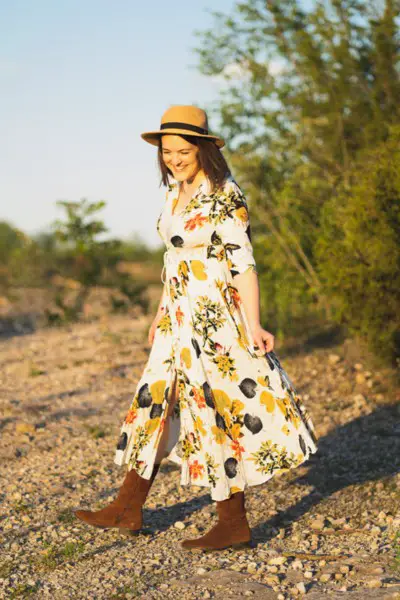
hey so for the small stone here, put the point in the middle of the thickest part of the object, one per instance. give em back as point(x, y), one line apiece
point(377, 571)
point(318, 524)
point(374, 583)
point(280, 597)
point(301, 587)
point(325, 577)
point(179, 525)
point(344, 569)
point(206, 594)
point(24, 428)
point(281, 533)
point(382, 516)
point(308, 574)
point(201, 571)
point(277, 560)
point(273, 568)
point(252, 567)
point(375, 529)
point(249, 593)
point(297, 565)
point(334, 359)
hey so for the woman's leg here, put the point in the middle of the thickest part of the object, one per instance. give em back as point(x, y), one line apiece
point(125, 511)
point(231, 530)
point(162, 451)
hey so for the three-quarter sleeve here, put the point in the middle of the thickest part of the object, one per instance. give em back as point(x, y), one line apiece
point(233, 229)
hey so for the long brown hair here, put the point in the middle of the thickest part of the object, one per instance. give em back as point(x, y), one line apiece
point(210, 158)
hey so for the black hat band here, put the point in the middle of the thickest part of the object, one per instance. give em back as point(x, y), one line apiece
point(176, 125)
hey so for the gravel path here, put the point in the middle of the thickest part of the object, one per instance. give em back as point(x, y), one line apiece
point(329, 527)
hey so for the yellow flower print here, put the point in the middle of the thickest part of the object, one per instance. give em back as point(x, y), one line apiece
point(235, 431)
point(220, 255)
point(268, 400)
point(263, 380)
point(222, 401)
point(152, 425)
point(157, 390)
point(198, 425)
point(285, 429)
point(183, 269)
point(226, 366)
point(242, 214)
point(237, 407)
point(219, 434)
point(164, 324)
point(295, 419)
point(242, 337)
point(186, 357)
point(198, 269)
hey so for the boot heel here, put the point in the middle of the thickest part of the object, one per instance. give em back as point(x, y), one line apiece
point(240, 545)
point(129, 532)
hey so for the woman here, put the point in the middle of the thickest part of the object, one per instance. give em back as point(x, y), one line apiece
point(213, 396)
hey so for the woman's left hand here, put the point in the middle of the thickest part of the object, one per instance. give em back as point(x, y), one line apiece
point(263, 339)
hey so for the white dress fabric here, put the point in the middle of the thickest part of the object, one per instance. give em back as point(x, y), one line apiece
point(238, 419)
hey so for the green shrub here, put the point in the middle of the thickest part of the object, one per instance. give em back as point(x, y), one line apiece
point(358, 250)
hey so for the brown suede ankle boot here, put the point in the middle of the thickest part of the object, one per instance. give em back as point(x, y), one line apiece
point(132, 495)
point(232, 528)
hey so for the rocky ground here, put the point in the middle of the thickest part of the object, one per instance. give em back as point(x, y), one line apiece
point(328, 528)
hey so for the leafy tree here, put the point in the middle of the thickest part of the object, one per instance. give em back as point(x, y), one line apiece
point(306, 92)
point(87, 258)
point(10, 240)
point(359, 249)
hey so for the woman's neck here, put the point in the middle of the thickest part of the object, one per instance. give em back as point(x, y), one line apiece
point(189, 184)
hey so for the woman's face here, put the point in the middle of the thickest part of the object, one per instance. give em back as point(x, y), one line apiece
point(180, 157)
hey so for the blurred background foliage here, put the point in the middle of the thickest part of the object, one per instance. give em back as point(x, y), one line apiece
point(310, 111)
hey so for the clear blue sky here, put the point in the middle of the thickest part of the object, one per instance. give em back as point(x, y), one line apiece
point(79, 81)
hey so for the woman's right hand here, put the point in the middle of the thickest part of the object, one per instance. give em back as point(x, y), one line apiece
point(153, 326)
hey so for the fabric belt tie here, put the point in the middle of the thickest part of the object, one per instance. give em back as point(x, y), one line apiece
point(175, 251)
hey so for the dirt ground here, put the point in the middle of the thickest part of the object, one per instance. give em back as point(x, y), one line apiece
point(328, 528)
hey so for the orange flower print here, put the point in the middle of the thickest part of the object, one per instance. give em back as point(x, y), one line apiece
point(196, 469)
point(131, 416)
point(179, 315)
point(237, 449)
point(199, 397)
point(235, 297)
point(196, 221)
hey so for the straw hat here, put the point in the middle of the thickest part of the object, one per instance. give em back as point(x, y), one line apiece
point(186, 120)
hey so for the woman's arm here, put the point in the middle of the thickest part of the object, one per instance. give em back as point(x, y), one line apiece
point(160, 304)
point(234, 231)
point(249, 292)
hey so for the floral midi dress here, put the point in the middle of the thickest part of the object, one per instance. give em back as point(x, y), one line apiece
point(238, 419)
